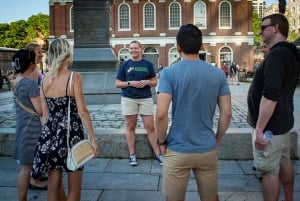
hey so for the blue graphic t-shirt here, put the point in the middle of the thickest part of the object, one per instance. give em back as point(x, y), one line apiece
point(134, 71)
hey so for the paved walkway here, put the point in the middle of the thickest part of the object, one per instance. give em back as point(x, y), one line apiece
point(115, 180)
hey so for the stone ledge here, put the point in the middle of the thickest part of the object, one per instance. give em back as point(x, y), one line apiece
point(236, 144)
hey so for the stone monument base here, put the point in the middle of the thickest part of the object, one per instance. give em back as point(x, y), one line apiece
point(99, 88)
point(98, 69)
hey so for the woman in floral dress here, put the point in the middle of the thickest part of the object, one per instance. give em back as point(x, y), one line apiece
point(51, 152)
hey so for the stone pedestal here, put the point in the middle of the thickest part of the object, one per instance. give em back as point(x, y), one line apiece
point(93, 56)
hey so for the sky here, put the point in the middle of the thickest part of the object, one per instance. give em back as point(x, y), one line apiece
point(14, 10)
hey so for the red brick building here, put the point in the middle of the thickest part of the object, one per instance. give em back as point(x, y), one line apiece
point(226, 26)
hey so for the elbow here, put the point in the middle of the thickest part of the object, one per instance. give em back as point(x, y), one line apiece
point(228, 115)
point(83, 113)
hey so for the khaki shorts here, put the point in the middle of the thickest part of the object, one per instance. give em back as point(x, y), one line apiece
point(277, 151)
point(132, 106)
point(177, 168)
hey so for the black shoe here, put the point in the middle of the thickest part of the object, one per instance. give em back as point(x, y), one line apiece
point(44, 178)
point(33, 187)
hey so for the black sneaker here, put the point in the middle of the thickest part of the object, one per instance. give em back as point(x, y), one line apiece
point(132, 160)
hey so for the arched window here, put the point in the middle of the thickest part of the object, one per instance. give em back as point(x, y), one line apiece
point(174, 15)
point(200, 14)
point(225, 15)
point(149, 50)
point(149, 16)
point(124, 55)
point(71, 19)
point(151, 54)
point(225, 55)
point(124, 17)
point(174, 56)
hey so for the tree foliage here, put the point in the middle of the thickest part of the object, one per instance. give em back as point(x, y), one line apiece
point(18, 34)
point(256, 20)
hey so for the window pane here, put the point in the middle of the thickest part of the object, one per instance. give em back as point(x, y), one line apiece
point(174, 15)
point(124, 17)
point(200, 14)
point(225, 55)
point(225, 15)
point(149, 16)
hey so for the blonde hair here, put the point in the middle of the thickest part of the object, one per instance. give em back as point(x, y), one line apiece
point(32, 46)
point(60, 51)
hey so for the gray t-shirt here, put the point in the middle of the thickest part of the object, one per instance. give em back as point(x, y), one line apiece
point(195, 87)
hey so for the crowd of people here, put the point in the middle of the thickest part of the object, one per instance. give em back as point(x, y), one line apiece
point(189, 144)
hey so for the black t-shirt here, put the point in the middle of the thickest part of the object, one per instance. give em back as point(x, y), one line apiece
point(275, 79)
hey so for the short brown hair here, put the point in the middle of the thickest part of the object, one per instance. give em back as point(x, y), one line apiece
point(281, 21)
point(135, 41)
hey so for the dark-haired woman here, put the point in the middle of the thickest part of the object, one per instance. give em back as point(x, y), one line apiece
point(28, 125)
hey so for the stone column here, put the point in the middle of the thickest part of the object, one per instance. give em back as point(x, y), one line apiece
point(93, 56)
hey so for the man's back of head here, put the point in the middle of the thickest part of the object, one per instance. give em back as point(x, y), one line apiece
point(189, 39)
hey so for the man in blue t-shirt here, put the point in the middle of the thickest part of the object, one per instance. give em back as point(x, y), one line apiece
point(135, 77)
point(195, 88)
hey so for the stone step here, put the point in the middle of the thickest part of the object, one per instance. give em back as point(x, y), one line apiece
point(236, 144)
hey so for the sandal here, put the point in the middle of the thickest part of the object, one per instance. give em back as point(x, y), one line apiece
point(33, 187)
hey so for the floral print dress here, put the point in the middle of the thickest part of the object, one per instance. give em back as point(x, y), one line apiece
point(51, 151)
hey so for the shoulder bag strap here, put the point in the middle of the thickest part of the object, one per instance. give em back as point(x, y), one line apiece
point(27, 109)
point(68, 132)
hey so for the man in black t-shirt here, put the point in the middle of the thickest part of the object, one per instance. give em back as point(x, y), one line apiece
point(270, 107)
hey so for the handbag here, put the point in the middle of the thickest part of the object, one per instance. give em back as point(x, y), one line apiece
point(82, 151)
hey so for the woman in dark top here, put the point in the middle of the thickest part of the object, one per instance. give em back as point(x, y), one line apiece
point(28, 126)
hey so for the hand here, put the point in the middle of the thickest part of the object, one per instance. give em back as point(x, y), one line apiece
point(163, 149)
point(96, 148)
point(139, 84)
point(259, 142)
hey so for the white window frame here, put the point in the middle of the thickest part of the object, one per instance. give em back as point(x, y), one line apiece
point(154, 16)
point(119, 18)
point(229, 13)
point(179, 15)
point(200, 14)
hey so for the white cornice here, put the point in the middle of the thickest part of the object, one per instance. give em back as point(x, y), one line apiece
point(172, 40)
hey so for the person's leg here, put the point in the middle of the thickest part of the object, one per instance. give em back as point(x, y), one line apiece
point(147, 114)
point(54, 186)
point(176, 171)
point(61, 192)
point(148, 121)
point(130, 111)
point(206, 173)
point(286, 172)
point(74, 185)
point(270, 187)
point(23, 182)
point(286, 175)
point(131, 121)
point(268, 162)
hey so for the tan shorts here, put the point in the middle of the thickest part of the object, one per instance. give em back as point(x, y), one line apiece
point(177, 168)
point(277, 151)
point(132, 106)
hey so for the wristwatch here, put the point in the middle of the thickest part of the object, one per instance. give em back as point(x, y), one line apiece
point(128, 83)
point(161, 143)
